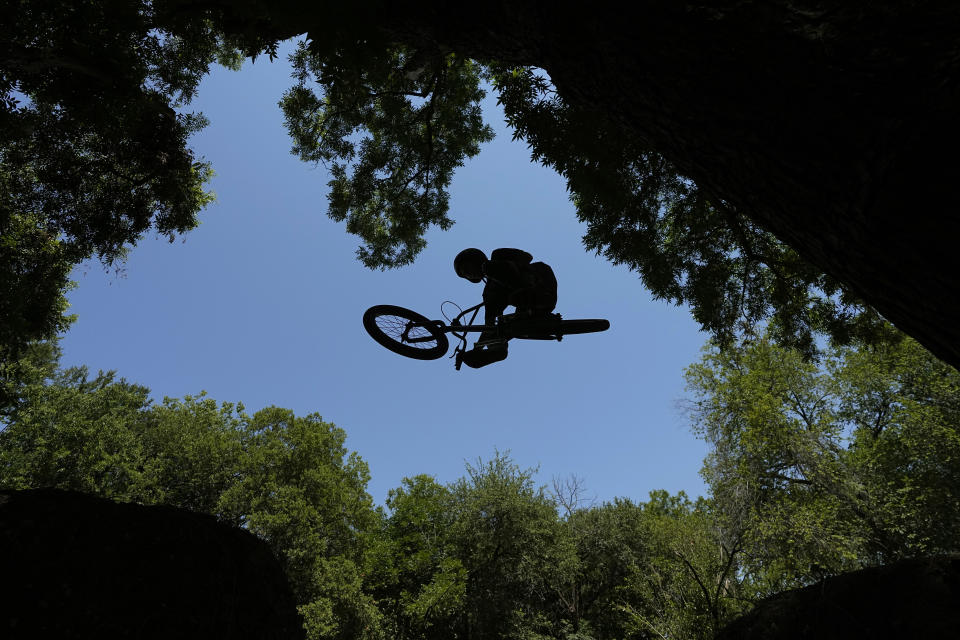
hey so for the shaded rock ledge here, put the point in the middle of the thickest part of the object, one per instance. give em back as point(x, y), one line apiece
point(915, 598)
point(77, 566)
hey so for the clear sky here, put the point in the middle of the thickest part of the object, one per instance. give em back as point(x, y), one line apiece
point(262, 304)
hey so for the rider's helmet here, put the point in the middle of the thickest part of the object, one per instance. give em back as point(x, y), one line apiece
point(469, 264)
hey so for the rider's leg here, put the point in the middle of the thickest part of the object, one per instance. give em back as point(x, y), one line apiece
point(495, 300)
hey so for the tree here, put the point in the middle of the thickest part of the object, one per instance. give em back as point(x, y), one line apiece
point(508, 538)
point(903, 407)
point(655, 569)
point(391, 186)
point(306, 495)
point(22, 378)
point(92, 150)
point(490, 555)
point(191, 454)
point(287, 479)
point(423, 586)
point(34, 279)
point(76, 433)
point(833, 467)
point(419, 113)
point(105, 436)
point(686, 584)
point(698, 142)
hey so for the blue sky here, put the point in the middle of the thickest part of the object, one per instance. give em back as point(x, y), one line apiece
point(262, 304)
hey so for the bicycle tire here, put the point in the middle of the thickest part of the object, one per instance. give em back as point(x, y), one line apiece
point(395, 319)
point(592, 325)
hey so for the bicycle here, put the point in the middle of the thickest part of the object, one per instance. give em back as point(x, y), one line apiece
point(410, 334)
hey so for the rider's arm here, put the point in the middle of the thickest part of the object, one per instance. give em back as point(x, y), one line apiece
point(503, 274)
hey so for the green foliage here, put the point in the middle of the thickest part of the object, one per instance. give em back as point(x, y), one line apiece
point(394, 124)
point(192, 454)
point(23, 378)
point(481, 557)
point(395, 121)
point(93, 155)
point(75, 434)
point(420, 584)
point(609, 543)
point(92, 152)
point(285, 478)
point(442, 596)
point(688, 248)
point(685, 586)
point(34, 279)
point(509, 539)
point(490, 556)
point(903, 407)
point(815, 469)
point(829, 468)
point(660, 568)
point(306, 495)
point(105, 436)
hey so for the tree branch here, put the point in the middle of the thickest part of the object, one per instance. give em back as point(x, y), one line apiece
point(731, 554)
point(415, 94)
point(706, 592)
point(780, 476)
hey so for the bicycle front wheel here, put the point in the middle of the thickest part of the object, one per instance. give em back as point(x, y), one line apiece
point(405, 332)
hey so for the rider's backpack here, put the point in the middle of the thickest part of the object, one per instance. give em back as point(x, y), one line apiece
point(545, 284)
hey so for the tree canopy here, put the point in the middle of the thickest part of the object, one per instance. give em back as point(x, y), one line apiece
point(824, 469)
point(92, 150)
point(769, 179)
point(814, 469)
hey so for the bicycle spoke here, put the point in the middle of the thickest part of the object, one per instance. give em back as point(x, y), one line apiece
point(394, 326)
point(405, 332)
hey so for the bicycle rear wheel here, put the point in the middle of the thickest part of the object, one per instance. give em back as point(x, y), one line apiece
point(405, 332)
point(583, 326)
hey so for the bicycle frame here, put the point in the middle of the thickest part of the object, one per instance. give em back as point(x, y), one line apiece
point(455, 327)
point(460, 330)
point(403, 330)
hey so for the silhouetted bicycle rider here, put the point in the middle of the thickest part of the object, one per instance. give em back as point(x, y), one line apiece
point(511, 279)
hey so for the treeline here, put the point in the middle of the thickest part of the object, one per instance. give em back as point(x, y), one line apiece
point(815, 469)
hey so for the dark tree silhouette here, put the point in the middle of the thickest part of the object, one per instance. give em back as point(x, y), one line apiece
point(781, 159)
point(831, 127)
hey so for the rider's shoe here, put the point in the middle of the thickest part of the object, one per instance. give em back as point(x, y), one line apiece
point(481, 356)
point(491, 342)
